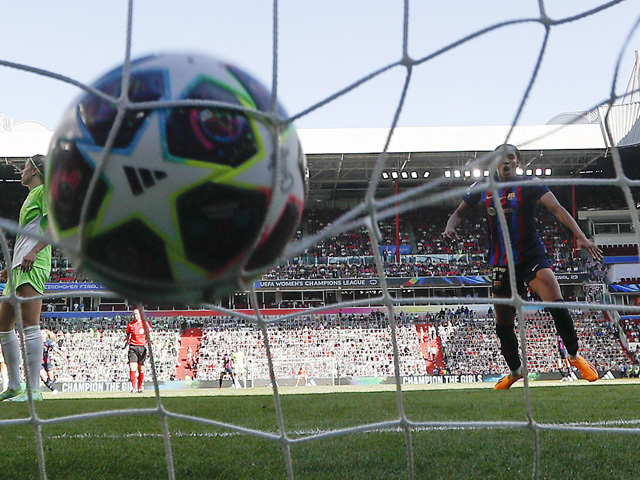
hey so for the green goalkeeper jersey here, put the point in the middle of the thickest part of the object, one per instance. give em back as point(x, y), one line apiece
point(33, 219)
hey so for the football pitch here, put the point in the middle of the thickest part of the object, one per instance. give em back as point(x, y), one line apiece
point(125, 445)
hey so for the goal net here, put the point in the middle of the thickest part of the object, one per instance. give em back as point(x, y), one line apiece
point(373, 208)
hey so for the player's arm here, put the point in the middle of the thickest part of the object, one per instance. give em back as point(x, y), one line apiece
point(550, 201)
point(30, 258)
point(455, 219)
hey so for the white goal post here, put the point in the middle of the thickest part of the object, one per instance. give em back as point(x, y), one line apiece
point(319, 371)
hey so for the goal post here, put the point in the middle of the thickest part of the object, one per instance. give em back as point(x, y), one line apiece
point(320, 371)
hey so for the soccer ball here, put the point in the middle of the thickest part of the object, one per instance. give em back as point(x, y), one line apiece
point(191, 199)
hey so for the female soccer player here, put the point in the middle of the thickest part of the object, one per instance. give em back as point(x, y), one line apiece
point(227, 369)
point(532, 267)
point(46, 371)
point(302, 375)
point(563, 362)
point(30, 270)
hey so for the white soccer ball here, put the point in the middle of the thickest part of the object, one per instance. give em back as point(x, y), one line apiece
point(187, 200)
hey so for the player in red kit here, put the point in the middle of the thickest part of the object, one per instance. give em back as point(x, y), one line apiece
point(137, 341)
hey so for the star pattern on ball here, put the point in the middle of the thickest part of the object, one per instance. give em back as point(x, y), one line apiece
point(154, 204)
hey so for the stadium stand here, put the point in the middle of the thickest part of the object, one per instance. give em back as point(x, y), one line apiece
point(357, 345)
point(349, 255)
point(360, 346)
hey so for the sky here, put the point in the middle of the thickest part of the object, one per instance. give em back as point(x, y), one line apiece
point(325, 46)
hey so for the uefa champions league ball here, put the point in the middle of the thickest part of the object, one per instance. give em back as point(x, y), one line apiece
point(190, 199)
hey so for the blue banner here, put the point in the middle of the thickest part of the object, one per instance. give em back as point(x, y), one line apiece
point(70, 286)
point(627, 288)
point(391, 249)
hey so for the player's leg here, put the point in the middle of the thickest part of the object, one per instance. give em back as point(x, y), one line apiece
point(47, 377)
point(133, 373)
point(132, 356)
point(44, 377)
point(140, 378)
point(141, 360)
point(50, 375)
point(32, 338)
point(33, 344)
point(5, 377)
point(548, 289)
point(505, 322)
point(559, 365)
point(10, 350)
point(51, 378)
point(570, 375)
point(563, 373)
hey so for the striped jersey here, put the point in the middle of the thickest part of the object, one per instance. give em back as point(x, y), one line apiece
point(519, 205)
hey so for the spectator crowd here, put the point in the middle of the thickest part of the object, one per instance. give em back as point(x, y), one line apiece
point(331, 345)
point(349, 254)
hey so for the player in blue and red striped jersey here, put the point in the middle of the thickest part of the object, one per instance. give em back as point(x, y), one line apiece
point(48, 346)
point(227, 369)
point(564, 367)
point(532, 267)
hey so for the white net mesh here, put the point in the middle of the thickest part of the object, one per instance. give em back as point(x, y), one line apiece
point(366, 216)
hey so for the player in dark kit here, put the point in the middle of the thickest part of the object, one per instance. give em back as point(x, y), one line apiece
point(227, 369)
point(532, 267)
point(563, 362)
point(48, 346)
point(137, 342)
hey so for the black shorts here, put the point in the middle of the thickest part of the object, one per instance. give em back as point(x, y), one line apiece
point(47, 365)
point(525, 272)
point(137, 354)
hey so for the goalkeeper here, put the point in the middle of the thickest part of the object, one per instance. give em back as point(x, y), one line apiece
point(532, 267)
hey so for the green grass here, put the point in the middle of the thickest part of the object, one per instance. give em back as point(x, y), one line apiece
point(126, 447)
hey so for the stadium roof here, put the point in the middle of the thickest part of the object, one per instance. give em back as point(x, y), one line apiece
point(341, 161)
